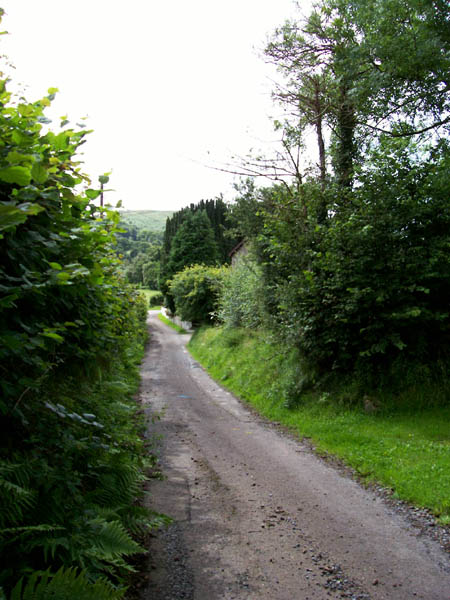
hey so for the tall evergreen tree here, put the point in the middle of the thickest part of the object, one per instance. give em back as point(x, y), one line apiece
point(193, 243)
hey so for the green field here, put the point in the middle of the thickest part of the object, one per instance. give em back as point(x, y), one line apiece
point(407, 451)
point(153, 220)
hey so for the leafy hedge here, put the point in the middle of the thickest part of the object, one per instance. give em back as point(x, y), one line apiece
point(195, 291)
point(71, 335)
point(366, 292)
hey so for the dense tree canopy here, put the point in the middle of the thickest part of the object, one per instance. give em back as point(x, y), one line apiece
point(198, 234)
point(354, 255)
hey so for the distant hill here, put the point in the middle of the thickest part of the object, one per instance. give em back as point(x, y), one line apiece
point(153, 220)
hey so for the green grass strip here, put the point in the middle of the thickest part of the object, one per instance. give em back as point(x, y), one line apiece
point(170, 323)
point(406, 451)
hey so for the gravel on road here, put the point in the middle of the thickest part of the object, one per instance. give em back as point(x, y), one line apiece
point(256, 514)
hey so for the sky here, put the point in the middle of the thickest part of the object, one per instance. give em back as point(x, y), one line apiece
point(170, 87)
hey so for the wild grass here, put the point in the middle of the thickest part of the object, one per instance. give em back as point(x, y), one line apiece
point(171, 324)
point(405, 450)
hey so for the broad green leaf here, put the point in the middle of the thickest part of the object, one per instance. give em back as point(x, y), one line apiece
point(55, 265)
point(63, 276)
point(11, 216)
point(16, 174)
point(17, 158)
point(61, 141)
point(92, 194)
point(26, 110)
point(39, 173)
point(52, 335)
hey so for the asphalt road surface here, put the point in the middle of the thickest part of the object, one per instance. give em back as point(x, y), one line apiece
point(256, 514)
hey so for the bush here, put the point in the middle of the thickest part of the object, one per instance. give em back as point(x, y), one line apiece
point(240, 300)
point(367, 291)
point(156, 299)
point(71, 337)
point(195, 291)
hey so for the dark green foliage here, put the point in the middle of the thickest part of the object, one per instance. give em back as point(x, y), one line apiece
point(66, 584)
point(156, 300)
point(354, 260)
point(366, 292)
point(222, 243)
point(139, 250)
point(193, 243)
point(71, 337)
point(240, 301)
point(195, 291)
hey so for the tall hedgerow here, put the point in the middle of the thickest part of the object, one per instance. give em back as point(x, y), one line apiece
point(71, 335)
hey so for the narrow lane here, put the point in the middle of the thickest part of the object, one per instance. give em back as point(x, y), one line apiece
point(256, 515)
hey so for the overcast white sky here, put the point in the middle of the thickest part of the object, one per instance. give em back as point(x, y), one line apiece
point(168, 85)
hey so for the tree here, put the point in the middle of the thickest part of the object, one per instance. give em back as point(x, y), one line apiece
point(354, 263)
point(195, 291)
point(193, 243)
point(355, 69)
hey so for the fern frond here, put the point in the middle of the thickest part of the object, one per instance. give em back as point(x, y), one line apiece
point(18, 472)
point(117, 485)
point(14, 500)
point(110, 540)
point(66, 584)
point(30, 529)
point(139, 519)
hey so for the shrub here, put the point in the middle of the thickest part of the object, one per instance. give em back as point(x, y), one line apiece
point(156, 299)
point(366, 292)
point(71, 336)
point(240, 300)
point(195, 291)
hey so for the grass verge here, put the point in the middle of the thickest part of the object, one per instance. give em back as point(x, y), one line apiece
point(404, 450)
point(170, 323)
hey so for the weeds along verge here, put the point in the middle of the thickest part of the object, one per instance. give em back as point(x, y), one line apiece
point(402, 442)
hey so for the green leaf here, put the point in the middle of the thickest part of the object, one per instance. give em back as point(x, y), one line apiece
point(17, 158)
point(61, 141)
point(16, 174)
point(39, 173)
point(26, 110)
point(55, 265)
point(54, 336)
point(66, 584)
point(11, 216)
point(93, 194)
point(63, 276)
point(20, 138)
point(8, 301)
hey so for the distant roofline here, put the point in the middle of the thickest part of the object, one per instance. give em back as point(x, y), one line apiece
point(233, 251)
